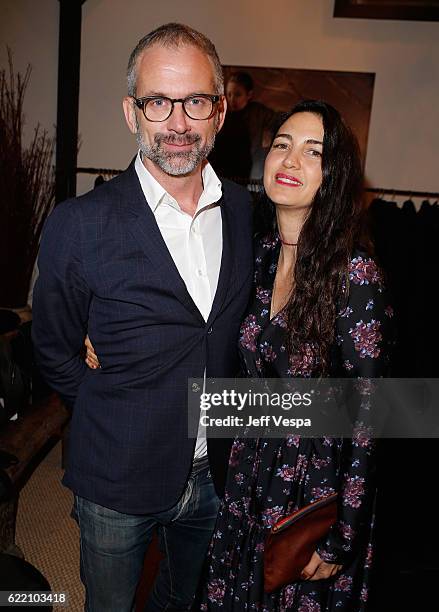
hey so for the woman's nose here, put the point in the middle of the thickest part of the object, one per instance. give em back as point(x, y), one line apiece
point(291, 160)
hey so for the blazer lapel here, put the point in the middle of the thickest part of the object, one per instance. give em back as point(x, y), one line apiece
point(143, 227)
point(227, 259)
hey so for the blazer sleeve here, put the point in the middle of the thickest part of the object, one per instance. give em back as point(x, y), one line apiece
point(61, 303)
point(365, 338)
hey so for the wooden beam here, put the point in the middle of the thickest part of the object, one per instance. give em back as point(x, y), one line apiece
point(69, 60)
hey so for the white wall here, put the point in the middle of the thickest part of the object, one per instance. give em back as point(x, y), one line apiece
point(30, 29)
point(403, 150)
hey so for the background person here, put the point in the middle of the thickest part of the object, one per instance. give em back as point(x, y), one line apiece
point(248, 131)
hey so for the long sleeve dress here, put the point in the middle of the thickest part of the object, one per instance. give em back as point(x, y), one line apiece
point(270, 478)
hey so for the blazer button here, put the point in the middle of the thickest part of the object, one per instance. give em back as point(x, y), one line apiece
point(210, 330)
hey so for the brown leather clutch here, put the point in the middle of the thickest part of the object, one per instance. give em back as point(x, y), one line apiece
point(292, 541)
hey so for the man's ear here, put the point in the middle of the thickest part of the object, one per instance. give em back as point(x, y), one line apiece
point(130, 114)
point(222, 109)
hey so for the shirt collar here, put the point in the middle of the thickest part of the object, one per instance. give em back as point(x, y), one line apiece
point(155, 194)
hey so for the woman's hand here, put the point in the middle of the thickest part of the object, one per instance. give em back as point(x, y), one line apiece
point(91, 359)
point(317, 569)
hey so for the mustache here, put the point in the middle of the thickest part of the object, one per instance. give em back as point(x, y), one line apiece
point(177, 139)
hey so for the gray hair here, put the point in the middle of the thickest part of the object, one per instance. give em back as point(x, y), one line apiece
point(175, 35)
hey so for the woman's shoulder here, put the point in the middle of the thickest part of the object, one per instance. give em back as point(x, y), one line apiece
point(364, 269)
point(365, 293)
point(365, 330)
point(363, 287)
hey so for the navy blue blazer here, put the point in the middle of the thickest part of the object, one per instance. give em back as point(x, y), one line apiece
point(104, 269)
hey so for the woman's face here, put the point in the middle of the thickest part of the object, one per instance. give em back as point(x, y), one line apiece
point(237, 96)
point(293, 167)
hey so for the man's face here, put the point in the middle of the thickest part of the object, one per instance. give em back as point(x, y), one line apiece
point(178, 145)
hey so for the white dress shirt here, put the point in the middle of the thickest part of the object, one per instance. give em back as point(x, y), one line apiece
point(195, 243)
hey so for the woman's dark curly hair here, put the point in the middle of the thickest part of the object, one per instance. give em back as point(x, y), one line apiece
point(326, 241)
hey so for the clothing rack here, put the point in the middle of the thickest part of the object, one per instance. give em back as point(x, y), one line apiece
point(104, 171)
point(258, 182)
point(399, 192)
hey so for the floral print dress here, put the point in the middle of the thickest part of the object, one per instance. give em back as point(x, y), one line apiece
point(270, 478)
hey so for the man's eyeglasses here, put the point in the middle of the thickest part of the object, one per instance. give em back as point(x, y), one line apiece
point(159, 108)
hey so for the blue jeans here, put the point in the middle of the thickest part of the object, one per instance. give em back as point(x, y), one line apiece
point(113, 547)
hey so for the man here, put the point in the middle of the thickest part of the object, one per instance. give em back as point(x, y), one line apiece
point(156, 266)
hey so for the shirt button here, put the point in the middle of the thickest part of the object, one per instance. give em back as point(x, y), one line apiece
point(200, 272)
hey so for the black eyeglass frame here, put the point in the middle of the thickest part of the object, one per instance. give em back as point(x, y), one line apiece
point(140, 103)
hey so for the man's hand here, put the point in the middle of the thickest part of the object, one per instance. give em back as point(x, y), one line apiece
point(317, 569)
point(91, 359)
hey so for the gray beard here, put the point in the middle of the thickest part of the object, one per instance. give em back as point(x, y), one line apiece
point(178, 163)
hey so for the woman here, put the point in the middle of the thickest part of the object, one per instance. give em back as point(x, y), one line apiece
point(319, 308)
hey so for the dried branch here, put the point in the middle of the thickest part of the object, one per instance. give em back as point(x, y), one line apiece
point(27, 188)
